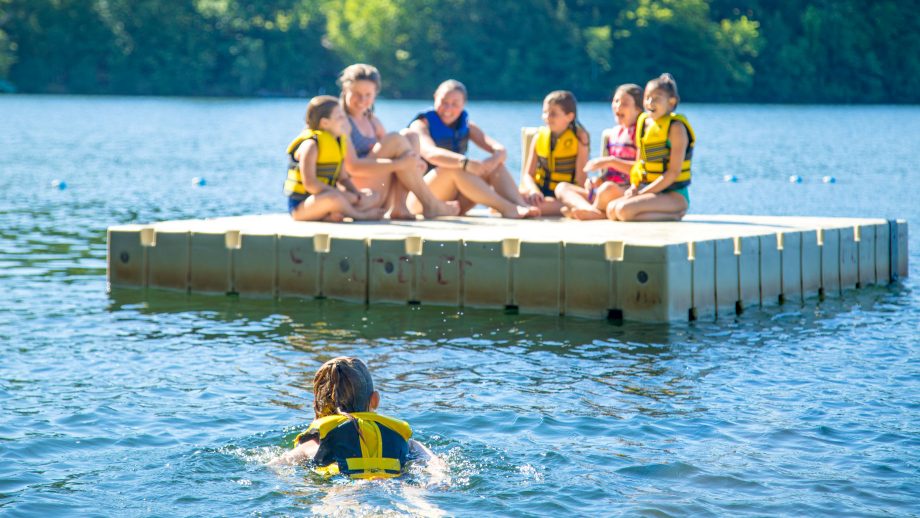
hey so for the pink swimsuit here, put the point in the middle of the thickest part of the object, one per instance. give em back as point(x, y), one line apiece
point(622, 144)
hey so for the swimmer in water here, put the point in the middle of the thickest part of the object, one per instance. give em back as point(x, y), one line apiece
point(347, 436)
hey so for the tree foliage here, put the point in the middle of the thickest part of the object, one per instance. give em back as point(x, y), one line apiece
point(719, 50)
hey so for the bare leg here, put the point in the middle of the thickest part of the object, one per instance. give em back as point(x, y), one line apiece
point(395, 145)
point(326, 206)
point(551, 207)
point(669, 206)
point(606, 193)
point(500, 179)
point(397, 203)
point(449, 183)
point(576, 202)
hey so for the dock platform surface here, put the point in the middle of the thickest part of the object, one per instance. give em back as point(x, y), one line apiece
point(704, 266)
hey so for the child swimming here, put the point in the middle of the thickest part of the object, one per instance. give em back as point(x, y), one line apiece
point(316, 172)
point(661, 175)
point(347, 436)
point(557, 155)
point(590, 201)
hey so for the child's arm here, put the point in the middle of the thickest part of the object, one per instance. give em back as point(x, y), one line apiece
point(612, 162)
point(529, 189)
point(302, 453)
point(352, 193)
point(308, 153)
point(433, 154)
point(488, 144)
point(677, 134)
point(374, 166)
point(581, 158)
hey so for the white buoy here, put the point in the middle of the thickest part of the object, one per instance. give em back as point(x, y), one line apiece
point(199, 181)
point(730, 178)
point(795, 179)
point(829, 179)
point(59, 184)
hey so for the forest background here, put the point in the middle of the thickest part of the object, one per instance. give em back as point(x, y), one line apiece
point(846, 51)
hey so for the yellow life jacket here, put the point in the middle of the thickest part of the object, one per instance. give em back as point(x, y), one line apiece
point(370, 446)
point(555, 163)
point(654, 151)
point(330, 155)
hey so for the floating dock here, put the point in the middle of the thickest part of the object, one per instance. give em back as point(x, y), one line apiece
point(702, 267)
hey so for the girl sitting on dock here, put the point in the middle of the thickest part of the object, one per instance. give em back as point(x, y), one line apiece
point(444, 133)
point(590, 202)
point(376, 149)
point(661, 174)
point(317, 185)
point(557, 155)
point(347, 436)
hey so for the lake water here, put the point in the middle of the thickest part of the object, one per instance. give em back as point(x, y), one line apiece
point(164, 404)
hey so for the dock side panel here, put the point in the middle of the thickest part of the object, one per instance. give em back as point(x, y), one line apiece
point(168, 261)
point(749, 272)
point(537, 278)
point(830, 263)
point(298, 267)
point(345, 270)
point(791, 267)
point(255, 265)
point(209, 263)
point(390, 271)
point(439, 273)
point(770, 270)
point(810, 263)
point(726, 277)
point(126, 258)
point(485, 275)
point(587, 279)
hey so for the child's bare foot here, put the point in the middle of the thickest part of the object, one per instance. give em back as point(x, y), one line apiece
point(522, 211)
point(441, 209)
point(585, 214)
point(334, 217)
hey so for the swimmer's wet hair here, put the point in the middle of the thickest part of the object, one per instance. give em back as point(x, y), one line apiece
point(666, 83)
point(341, 386)
point(319, 108)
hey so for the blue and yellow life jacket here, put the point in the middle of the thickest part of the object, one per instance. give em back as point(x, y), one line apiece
point(329, 159)
point(555, 160)
point(654, 151)
point(455, 137)
point(378, 451)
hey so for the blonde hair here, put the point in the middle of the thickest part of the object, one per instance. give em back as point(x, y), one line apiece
point(354, 73)
point(342, 385)
point(565, 100)
point(319, 108)
point(666, 83)
point(451, 85)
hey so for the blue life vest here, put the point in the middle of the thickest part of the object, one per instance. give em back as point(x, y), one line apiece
point(455, 137)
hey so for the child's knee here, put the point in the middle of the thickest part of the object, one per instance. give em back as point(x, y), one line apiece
point(612, 211)
point(562, 188)
point(399, 143)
